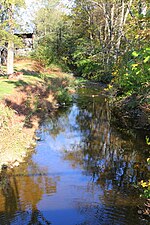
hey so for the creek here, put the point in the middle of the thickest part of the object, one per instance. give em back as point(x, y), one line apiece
point(82, 171)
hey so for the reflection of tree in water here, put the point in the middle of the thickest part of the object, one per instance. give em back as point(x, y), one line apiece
point(55, 124)
point(20, 192)
point(112, 161)
point(37, 218)
point(10, 195)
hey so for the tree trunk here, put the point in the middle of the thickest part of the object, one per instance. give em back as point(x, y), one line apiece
point(10, 58)
point(10, 49)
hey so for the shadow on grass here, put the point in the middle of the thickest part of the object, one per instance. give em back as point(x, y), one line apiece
point(35, 100)
point(3, 76)
point(31, 73)
point(30, 101)
point(18, 83)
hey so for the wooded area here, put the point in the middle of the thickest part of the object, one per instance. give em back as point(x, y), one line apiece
point(99, 40)
point(106, 42)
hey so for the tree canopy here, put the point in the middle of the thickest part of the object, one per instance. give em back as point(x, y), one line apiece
point(95, 39)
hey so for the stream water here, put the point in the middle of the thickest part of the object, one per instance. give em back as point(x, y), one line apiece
point(82, 171)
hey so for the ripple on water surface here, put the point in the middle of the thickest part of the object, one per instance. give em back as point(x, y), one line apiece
point(81, 173)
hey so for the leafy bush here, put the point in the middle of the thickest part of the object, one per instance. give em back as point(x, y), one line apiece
point(63, 97)
point(145, 185)
point(134, 76)
point(146, 188)
point(44, 51)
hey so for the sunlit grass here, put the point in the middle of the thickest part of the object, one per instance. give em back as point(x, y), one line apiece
point(6, 88)
point(34, 73)
point(30, 79)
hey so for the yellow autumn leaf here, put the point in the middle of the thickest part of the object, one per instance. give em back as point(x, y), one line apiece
point(134, 65)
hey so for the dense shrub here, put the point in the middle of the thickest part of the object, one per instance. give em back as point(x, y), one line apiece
point(134, 75)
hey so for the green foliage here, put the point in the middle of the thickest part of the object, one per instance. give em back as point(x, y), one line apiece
point(95, 39)
point(81, 57)
point(6, 88)
point(146, 184)
point(147, 140)
point(80, 82)
point(85, 65)
point(48, 22)
point(44, 51)
point(134, 76)
point(74, 41)
point(146, 188)
point(7, 7)
point(63, 96)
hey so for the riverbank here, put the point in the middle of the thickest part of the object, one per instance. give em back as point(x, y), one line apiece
point(137, 117)
point(131, 111)
point(28, 96)
point(75, 144)
point(33, 93)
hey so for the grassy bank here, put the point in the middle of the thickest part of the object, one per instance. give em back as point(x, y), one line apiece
point(26, 98)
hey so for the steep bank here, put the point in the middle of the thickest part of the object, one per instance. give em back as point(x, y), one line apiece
point(132, 112)
point(28, 96)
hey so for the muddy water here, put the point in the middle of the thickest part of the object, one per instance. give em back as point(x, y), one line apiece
point(82, 171)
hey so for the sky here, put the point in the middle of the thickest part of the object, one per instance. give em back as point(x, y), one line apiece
point(28, 13)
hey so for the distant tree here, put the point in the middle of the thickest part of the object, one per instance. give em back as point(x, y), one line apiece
point(48, 22)
point(8, 9)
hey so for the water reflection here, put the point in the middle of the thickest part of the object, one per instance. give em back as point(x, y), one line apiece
point(82, 171)
point(20, 193)
point(110, 158)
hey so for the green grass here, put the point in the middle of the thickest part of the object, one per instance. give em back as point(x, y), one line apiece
point(30, 79)
point(54, 78)
point(6, 88)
